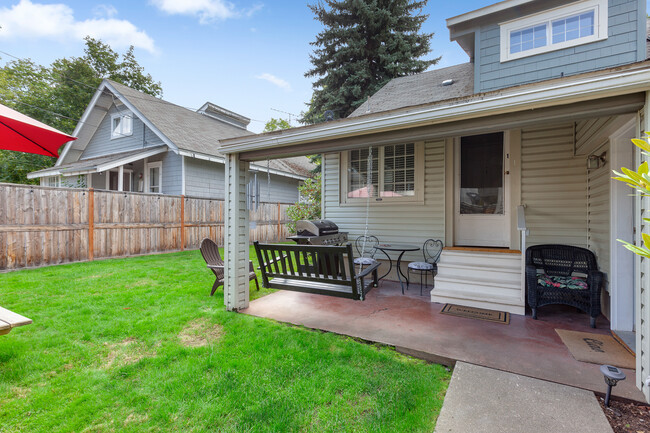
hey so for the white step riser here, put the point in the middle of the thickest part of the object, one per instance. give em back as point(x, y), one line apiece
point(512, 309)
point(482, 260)
point(451, 287)
point(491, 275)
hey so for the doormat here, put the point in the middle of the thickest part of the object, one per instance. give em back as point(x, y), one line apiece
point(596, 348)
point(477, 313)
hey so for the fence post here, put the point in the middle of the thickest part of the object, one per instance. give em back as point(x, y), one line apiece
point(91, 224)
point(183, 222)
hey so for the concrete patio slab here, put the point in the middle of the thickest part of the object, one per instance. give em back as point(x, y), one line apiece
point(485, 400)
point(413, 324)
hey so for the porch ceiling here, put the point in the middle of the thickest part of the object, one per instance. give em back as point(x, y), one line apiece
point(611, 106)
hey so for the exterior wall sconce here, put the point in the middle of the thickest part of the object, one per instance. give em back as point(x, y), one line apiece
point(596, 161)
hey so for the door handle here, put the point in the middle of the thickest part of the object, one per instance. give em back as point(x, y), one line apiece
point(507, 172)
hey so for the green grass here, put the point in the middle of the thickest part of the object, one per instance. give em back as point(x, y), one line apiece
point(136, 345)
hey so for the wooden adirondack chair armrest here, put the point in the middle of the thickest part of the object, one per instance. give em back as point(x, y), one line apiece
point(368, 270)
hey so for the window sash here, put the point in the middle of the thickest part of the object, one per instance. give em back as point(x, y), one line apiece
point(121, 125)
point(395, 173)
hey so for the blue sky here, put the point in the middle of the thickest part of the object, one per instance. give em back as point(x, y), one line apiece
point(247, 56)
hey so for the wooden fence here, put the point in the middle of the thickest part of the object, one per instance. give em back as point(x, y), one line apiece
point(43, 226)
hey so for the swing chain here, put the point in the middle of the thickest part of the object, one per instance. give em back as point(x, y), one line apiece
point(369, 185)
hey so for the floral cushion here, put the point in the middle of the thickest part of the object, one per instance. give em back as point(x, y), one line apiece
point(421, 266)
point(559, 282)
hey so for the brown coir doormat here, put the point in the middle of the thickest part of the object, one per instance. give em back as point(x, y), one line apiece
point(477, 313)
point(596, 348)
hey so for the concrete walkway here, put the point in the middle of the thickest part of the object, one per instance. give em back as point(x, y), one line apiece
point(485, 400)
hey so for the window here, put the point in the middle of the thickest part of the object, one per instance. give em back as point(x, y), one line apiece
point(568, 26)
point(53, 181)
point(121, 125)
point(154, 177)
point(394, 174)
point(113, 180)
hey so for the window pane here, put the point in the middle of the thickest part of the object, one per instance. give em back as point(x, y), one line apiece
point(401, 160)
point(481, 174)
point(127, 125)
point(359, 173)
point(527, 39)
point(587, 24)
point(154, 179)
point(116, 129)
point(573, 27)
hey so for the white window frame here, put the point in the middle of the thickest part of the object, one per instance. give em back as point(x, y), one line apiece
point(417, 198)
point(48, 180)
point(122, 132)
point(601, 14)
point(148, 166)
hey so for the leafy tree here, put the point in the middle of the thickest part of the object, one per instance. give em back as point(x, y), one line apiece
point(365, 44)
point(59, 94)
point(275, 124)
point(309, 207)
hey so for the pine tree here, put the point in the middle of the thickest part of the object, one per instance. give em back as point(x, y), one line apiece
point(365, 44)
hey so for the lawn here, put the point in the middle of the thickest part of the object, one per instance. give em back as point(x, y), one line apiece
point(137, 345)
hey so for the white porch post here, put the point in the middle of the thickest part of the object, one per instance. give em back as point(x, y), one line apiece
point(236, 242)
point(642, 277)
point(120, 178)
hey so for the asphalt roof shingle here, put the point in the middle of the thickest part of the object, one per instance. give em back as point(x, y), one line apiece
point(423, 88)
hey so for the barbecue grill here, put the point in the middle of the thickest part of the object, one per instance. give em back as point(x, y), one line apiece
point(318, 232)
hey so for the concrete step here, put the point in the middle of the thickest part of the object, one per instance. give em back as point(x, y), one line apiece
point(481, 259)
point(479, 289)
point(510, 304)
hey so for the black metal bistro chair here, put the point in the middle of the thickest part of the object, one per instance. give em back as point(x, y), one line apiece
point(365, 246)
point(431, 250)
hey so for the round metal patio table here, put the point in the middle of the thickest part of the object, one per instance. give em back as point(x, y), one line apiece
point(397, 247)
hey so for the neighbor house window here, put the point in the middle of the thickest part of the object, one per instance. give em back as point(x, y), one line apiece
point(53, 181)
point(154, 177)
point(563, 27)
point(392, 174)
point(121, 125)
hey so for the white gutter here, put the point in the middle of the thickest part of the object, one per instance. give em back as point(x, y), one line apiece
point(565, 93)
point(98, 168)
point(478, 13)
point(222, 160)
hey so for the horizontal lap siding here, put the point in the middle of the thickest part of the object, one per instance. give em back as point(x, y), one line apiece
point(553, 186)
point(618, 49)
point(101, 143)
point(410, 223)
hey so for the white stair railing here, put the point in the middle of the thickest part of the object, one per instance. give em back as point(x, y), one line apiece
point(521, 226)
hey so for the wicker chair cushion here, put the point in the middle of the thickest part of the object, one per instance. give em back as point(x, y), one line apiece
point(364, 261)
point(421, 266)
point(559, 282)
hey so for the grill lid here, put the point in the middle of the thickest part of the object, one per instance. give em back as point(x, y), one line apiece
point(316, 228)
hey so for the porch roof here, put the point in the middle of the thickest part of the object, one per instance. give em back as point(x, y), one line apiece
point(99, 164)
point(595, 94)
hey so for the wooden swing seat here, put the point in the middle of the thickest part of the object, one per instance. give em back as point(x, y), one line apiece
point(314, 269)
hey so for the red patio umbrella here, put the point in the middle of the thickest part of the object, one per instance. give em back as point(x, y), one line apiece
point(24, 134)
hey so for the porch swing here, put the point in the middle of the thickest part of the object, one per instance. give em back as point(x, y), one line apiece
point(317, 269)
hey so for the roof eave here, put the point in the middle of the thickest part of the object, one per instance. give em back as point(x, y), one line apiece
point(488, 10)
point(558, 94)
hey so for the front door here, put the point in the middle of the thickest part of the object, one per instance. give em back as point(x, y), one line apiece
point(481, 196)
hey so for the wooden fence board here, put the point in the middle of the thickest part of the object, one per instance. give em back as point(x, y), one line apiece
point(41, 226)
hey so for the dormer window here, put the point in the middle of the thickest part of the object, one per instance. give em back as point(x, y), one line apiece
point(121, 125)
point(576, 24)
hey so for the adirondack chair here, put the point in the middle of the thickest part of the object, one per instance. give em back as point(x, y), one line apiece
point(210, 253)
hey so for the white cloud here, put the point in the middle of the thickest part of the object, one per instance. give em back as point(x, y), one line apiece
point(107, 11)
point(56, 21)
point(206, 10)
point(275, 80)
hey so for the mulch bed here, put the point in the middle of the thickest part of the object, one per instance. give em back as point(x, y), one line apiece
point(626, 416)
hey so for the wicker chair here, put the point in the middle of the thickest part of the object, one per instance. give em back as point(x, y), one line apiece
point(210, 253)
point(563, 274)
point(365, 246)
point(431, 251)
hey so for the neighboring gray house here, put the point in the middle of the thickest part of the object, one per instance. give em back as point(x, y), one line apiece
point(130, 141)
point(511, 149)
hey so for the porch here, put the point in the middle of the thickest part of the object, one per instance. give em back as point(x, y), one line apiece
point(414, 325)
